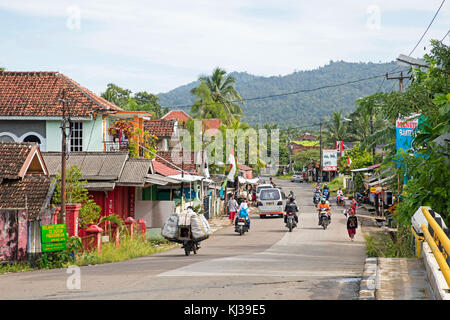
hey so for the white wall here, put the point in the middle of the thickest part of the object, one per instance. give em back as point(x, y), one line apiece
point(154, 213)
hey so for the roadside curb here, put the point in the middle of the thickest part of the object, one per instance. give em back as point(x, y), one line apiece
point(368, 282)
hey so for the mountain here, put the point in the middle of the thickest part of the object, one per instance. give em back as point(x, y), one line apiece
point(299, 109)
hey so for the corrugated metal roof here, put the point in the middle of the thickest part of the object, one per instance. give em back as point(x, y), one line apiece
point(100, 185)
point(135, 172)
point(93, 165)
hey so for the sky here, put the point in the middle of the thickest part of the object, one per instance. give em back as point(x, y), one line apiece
point(156, 46)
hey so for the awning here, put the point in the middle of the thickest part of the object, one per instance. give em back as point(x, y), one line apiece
point(380, 182)
point(160, 180)
point(187, 177)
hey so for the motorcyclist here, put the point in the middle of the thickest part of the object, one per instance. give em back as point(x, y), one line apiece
point(339, 194)
point(291, 206)
point(326, 191)
point(324, 204)
point(243, 213)
point(317, 193)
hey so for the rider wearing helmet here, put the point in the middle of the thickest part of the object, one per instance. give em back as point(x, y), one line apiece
point(291, 206)
point(324, 204)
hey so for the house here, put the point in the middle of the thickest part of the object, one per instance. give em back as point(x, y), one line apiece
point(245, 171)
point(179, 115)
point(297, 146)
point(31, 110)
point(24, 195)
point(166, 132)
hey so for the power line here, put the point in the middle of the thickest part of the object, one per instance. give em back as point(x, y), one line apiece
point(300, 91)
point(445, 35)
point(427, 28)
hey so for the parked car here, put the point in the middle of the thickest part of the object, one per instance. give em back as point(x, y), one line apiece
point(271, 202)
point(261, 187)
point(297, 177)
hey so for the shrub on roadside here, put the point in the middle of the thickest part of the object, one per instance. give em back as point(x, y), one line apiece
point(381, 244)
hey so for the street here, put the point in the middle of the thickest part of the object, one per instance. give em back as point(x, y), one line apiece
point(266, 263)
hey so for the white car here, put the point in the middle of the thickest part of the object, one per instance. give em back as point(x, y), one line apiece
point(271, 202)
point(261, 187)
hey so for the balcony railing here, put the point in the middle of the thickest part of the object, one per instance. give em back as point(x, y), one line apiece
point(115, 146)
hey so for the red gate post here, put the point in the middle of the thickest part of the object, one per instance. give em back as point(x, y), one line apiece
point(143, 227)
point(131, 222)
point(72, 218)
point(117, 237)
point(94, 229)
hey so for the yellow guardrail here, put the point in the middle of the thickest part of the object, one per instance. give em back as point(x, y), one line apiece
point(439, 238)
point(418, 240)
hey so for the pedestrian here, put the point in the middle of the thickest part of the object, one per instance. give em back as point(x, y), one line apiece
point(353, 205)
point(232, 208)
point(352, 224)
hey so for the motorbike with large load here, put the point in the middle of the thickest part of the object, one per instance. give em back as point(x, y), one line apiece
point(187, 228)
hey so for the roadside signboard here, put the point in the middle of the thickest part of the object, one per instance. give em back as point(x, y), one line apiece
point(53, 237)
point(404, 134)
point(329, 160)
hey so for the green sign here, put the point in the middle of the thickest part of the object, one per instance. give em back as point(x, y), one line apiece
point(53, 237)
point(53, 233)
point(53, 246)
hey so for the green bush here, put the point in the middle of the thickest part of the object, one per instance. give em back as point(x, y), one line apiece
point(381, 244)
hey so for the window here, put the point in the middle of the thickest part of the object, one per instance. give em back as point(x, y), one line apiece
point(76, 136)
point(271, 194)
point(32, 138)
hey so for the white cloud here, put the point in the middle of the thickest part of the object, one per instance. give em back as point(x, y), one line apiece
point(200, 35)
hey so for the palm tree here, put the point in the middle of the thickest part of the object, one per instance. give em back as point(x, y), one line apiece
point(223, 92)
point(337, 129)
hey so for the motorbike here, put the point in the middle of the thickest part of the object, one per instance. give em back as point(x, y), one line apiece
point(326, 193)
point(188, 243)
point(241, 226)
point(316, 198)
point(340, 201)
point(324, 218)
point(290, 221)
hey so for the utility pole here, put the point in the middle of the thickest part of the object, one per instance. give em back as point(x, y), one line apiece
point(320, 166)
point(63, 159)
point(182, 167)
point(398, 78)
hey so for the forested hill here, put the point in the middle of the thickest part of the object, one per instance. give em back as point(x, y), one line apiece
point(302, 108)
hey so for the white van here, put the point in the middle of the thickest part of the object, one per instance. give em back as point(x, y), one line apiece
point(261, 187)
point(271, 202)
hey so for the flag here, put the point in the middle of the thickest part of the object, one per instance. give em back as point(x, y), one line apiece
point(349, 162)
point(232, 166)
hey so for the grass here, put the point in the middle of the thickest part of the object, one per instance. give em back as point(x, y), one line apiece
point(15, 267)
point(285, 177)
point(381, 244)
point(128, 249)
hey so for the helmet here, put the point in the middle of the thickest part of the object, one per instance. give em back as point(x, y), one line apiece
point(323, 200)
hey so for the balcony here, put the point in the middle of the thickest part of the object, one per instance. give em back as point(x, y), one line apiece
point(115, 146)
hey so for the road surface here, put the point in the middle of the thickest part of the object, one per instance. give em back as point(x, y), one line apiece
point(266, 263)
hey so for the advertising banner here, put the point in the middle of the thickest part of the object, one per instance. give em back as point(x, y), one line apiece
point(329, 160)
point(404, 134)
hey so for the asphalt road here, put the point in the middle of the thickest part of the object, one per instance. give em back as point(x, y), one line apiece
point(266, 263)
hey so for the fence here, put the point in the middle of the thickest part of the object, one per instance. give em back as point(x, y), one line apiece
point(436, 238)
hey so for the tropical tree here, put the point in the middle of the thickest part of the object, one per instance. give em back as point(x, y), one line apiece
point(336, 129)
point(223, 92)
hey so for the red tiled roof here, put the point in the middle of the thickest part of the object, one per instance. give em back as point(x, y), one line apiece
point(13, 156)
point(159, 127)
point(212, 123)
point(163, 169)
point(179, 115)
point(189, 160)
point(244, 167)
point(36, 94)
point(30, 192)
